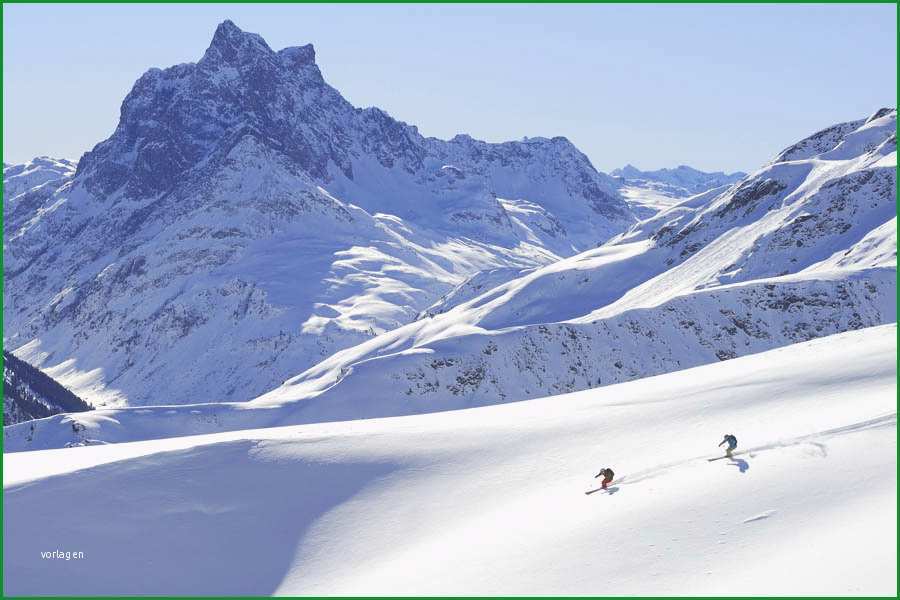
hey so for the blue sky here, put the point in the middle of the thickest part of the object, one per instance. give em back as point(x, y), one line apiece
point(715, 87)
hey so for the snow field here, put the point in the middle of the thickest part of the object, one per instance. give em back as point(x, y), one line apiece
point(492, 500)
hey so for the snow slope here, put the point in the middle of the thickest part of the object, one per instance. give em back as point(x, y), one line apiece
point(246, 219)
point(492, 500)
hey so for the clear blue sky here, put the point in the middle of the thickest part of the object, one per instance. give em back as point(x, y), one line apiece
point(716, 87)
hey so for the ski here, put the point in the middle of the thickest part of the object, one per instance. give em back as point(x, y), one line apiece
point(733, 454)
point(607, 489)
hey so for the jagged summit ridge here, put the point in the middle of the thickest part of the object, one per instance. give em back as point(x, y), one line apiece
point(177, 118)
point(182, 118)
point(231, 45)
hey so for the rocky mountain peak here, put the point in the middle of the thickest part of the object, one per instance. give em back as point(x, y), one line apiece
point(232, 45)
point(175, 119)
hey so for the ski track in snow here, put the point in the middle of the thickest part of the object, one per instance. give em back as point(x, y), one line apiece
point(760, 516)
point(492, 500)
point(889, 420)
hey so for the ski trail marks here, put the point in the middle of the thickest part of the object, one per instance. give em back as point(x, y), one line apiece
point(814, 439)
point(760, 516)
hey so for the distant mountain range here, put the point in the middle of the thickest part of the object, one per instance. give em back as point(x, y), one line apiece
point(682, 181)
point(649, 192)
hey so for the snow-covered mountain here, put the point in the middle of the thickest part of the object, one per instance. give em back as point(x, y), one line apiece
point(27, 188)
point(682, 181)
point(244, 221)
point(649, 192)
point(37, 173)
point(492, 500)
point(30, 394)
point(799, 249)
point(802, 248)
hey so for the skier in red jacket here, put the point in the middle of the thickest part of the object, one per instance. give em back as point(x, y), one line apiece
point(607, 476)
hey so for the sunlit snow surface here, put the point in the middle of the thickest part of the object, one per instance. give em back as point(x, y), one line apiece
point(493, 500)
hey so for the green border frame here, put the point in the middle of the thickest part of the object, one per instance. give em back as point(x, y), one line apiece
point(2, 282)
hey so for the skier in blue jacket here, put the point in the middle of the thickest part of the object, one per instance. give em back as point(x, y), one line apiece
point(732, 444)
